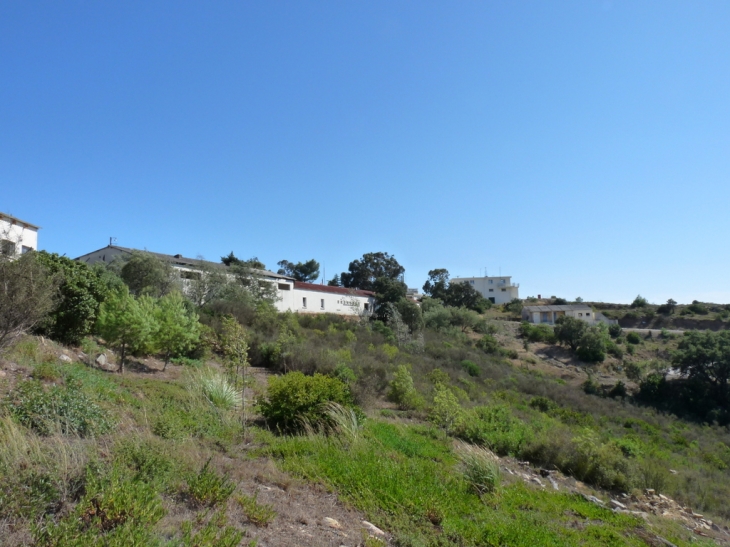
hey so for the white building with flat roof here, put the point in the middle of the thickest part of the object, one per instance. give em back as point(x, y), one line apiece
point(498, 290)
point(17, 236)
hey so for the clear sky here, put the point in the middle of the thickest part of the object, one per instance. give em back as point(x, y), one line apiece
point(582, 147)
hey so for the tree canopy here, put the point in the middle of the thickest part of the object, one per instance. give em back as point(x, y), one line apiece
point(437, 283)
point(570, 331)
point(363, 273)
point(82, 289)
point(705, 356)
point(144, 273)
point(253, 262)
point(301, 271)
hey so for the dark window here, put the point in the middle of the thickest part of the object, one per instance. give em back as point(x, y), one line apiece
point(284, 287)
point(7, 247)
point(321, 303)
point(304, 303)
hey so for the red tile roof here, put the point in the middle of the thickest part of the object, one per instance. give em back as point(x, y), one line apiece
point(329, 289)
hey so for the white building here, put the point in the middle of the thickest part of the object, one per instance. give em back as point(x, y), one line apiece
point(313, 298)
point(550, 314)
point(292, 295)
point(17, 236)
point(498, 290)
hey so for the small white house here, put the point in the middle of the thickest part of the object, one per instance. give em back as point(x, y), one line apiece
point(498, 290)
point(550, 314)
point(291, 295)
point(17, 236)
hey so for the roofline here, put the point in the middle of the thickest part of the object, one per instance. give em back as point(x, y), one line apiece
point(172, 258)
point(4, 216)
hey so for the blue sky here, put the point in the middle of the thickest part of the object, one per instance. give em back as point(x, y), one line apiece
point(582, 147)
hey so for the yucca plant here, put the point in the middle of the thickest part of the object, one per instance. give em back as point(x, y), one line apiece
point(479, 466)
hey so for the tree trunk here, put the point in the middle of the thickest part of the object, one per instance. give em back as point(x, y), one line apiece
point(122, 356)
point(167, 360)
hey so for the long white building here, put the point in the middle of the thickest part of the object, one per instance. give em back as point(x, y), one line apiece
point(292, 295)
point(17, 236)
point(498, 290)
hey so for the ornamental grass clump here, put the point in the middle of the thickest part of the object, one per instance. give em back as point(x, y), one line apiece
point(218, 390)
point(479, 467)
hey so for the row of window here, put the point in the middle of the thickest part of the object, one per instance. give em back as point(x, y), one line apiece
point(8, 248)
point(321, 304)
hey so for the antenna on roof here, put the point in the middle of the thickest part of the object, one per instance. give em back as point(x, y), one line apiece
point(324, 272)
point(112, 241)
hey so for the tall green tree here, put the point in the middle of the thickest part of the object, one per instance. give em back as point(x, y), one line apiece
point(705, 356)
point(463, 295)
point(363, 273)
point(82, 289)
point(335, 281)
point(177, 328)
point(569, 330)
point(301, 271)
point(127, 323)
point(147, 274)
point(437, 283)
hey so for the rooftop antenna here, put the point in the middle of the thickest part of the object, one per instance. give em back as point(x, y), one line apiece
point(324, 272)
point(112, 241)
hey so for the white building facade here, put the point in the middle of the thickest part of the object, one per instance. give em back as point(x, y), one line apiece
point(550, 314)
point(292, 295)
point(17, 236)
point(498, 290)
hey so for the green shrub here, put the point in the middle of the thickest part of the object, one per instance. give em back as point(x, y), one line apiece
point(615, 350)
point(48, 372)
point(294, 399)
point(208, 488)
point(446, 411)
point(115, 511)
point(495, 427)
point(543, 404)
point(488, 344)
point(537, 333)
point(259, 514)
point(402, 391)
point(698, 308)
point(148, 459)
point(471, 368)
point(65, 408)
point(592, 346)
point(615, 330)
point(633, 338)
point(214, 533)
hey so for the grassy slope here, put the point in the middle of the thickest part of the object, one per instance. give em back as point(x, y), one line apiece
point(403, 476)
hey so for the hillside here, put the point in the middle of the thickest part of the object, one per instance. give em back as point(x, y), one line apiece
point(92, 457)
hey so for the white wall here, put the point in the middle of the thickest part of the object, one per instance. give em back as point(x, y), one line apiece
point(499, 288)
point(587, 315)
point(326, 302)
point(24, 237)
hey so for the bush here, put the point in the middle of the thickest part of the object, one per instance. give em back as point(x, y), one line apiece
point(615, 330)
point(446, 411)
point(537, 333)
point(208, 488)
point(218, 390)
point(259, 514)
point(592, 347)
point(495, 427)
point(65, 408)
point(115, 511)
point(403, 392)
point(698, 308)
point(615, 350)
point(639, 302)
point(294, 399)
point(471, 368)
point(488, 344)
point(633, 338)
